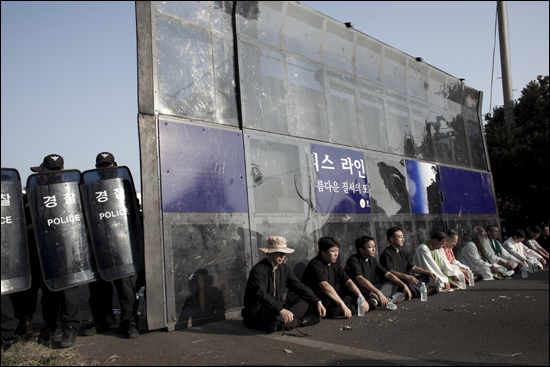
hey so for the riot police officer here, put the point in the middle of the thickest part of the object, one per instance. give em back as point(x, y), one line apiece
point(60, 309)
point(101, 291)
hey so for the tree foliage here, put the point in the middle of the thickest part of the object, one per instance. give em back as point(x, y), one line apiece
point(520, 154)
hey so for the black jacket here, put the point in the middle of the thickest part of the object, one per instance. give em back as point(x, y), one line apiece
point(260, 289)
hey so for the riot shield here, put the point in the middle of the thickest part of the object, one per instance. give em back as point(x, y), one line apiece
point(114, 220)
point(16, 271)
point(60, 229)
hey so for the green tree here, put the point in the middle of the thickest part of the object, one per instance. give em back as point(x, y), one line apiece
point(520, 154)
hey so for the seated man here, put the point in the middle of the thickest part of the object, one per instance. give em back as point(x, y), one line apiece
point(533, 233)
point(428, 256)
point(494, 251)
point(323, 273)
point(264, 308)
point(452, 239)
point(515, 246)
point(363, 267)
point(394, 259)
point(474, 257)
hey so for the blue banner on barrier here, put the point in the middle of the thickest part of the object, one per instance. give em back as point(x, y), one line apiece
point(341, 185)
point(202, 169)
point(467, 192)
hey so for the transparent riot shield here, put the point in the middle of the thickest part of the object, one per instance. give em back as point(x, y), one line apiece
point(114, 220)
point(60, 229)
point(16, 271)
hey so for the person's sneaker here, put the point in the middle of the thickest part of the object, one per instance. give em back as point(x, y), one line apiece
point(24, 329)
point(432, 291)
point(96, 328)
point(69, 337)
point(397, 297)
point(372, 303)
point(310, 319)
point(47, 334)
point(128, 328)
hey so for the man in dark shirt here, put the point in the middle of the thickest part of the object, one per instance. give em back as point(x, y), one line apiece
point(264, 307)
point(395, 260)
point(323, 273)
point(366, 272)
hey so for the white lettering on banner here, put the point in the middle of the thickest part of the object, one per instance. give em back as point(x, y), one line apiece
point(359, 164)
point(346, 187)
point(6, 220)
point(114, 213)
point(316, 162)
point(323, 162)
point(64, 220)
point(5, 199)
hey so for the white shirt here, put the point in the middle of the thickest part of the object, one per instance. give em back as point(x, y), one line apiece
point(423, 259)
point(471, 257)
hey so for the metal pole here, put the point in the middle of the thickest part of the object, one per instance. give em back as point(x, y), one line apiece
point(505, 64)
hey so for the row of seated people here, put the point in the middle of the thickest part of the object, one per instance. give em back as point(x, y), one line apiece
point(330, 290)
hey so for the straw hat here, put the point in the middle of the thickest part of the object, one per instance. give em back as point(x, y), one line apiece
point(276, 244)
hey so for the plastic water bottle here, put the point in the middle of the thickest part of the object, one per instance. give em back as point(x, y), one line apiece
point(392, 306)
point(524, 270)
point(462, 281)
point(471, 279)
point(423, 292)
point(530, 266)
point(361, 306)
point(535, 266)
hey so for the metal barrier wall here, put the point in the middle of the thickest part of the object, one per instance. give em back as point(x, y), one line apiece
point(269, 118)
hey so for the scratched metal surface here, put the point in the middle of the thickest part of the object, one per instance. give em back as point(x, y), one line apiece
point(303, 79)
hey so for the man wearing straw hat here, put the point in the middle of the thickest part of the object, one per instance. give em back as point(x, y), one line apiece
point(268, 280)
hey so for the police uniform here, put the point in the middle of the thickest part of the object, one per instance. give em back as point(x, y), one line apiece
point(101, 291)
point(60, 309)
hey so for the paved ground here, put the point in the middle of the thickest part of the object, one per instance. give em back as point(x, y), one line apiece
point(493, 323)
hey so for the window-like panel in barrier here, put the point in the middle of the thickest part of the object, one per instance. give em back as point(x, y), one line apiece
point(262, 88)
point(208, 270)
point(275, 177)
point(206, 230)
point(343, 111)
point(307, 102)
point(422, 131)
point(372, 127)
point(303, 32)
point(193, 52)
point(281, 196)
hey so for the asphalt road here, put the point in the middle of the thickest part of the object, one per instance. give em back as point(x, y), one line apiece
point(494, 323)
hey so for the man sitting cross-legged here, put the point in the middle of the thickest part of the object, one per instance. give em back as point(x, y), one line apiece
point(264, 307)
point(394, 259)
point(322, 275)
point(473, 256)
point(430, 256)
point(366, 272)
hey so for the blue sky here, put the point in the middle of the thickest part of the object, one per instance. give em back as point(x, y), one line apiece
point(69, 69)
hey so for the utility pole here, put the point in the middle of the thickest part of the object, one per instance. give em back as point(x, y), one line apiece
point(505, 64)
